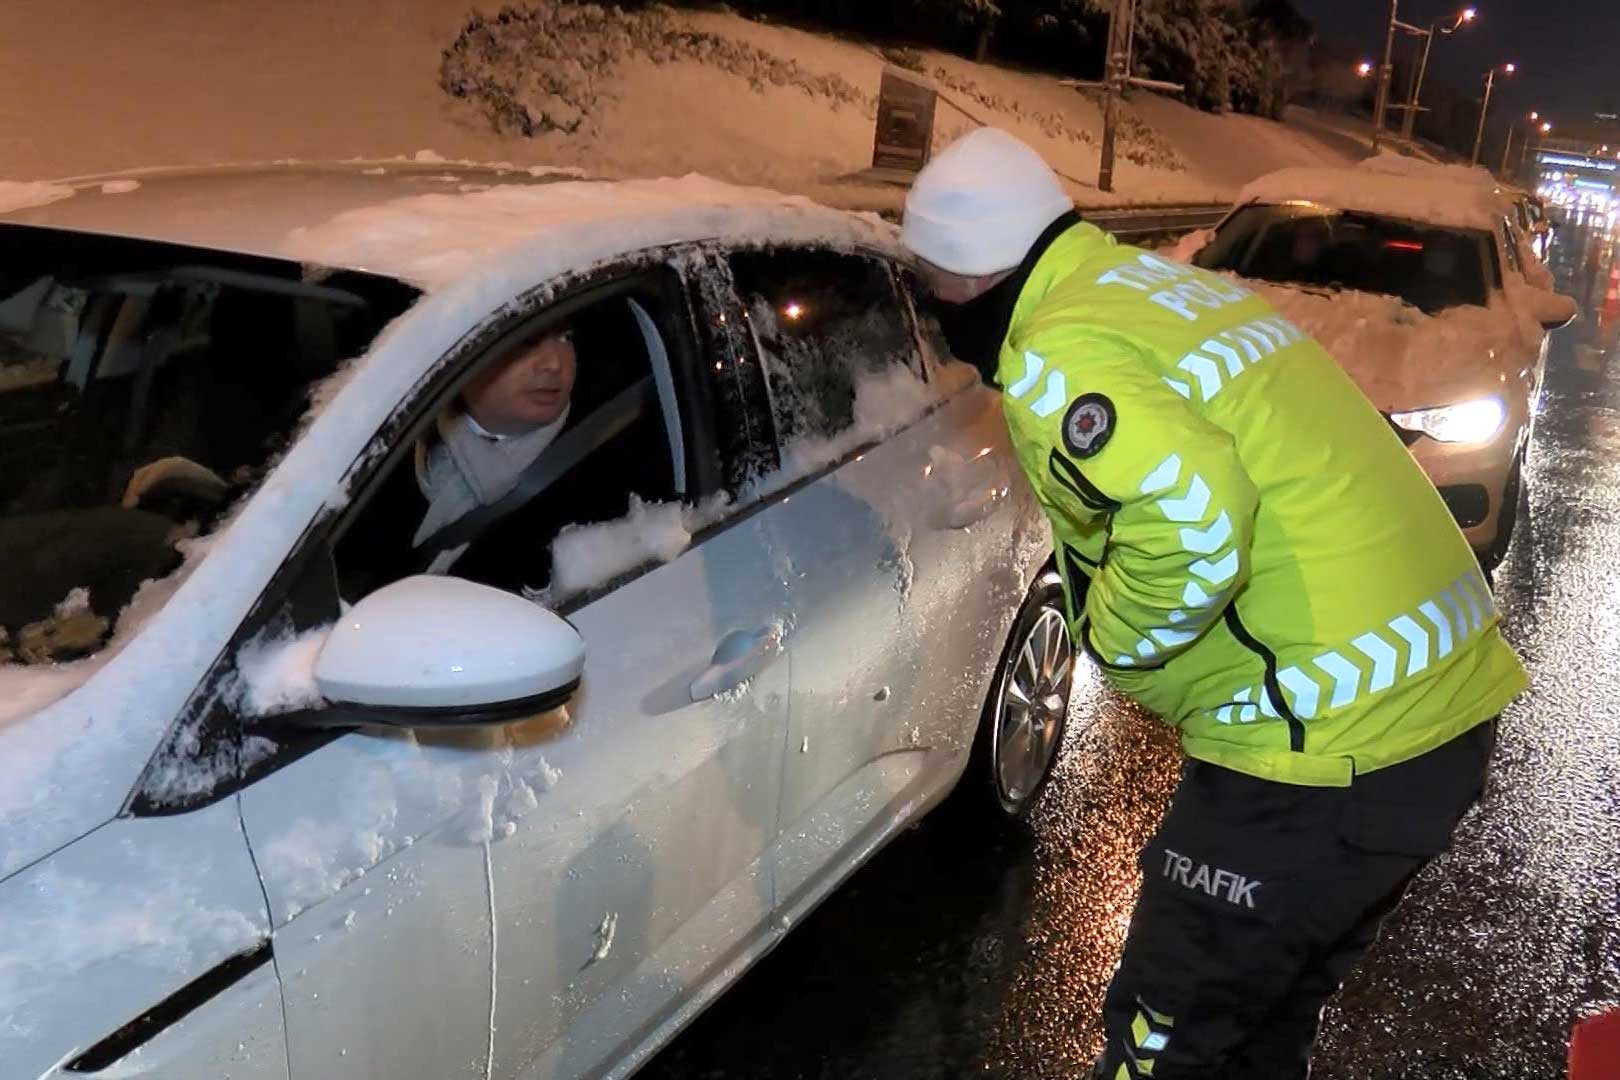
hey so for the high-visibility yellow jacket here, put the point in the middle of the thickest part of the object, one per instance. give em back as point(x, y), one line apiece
point(1249, 550)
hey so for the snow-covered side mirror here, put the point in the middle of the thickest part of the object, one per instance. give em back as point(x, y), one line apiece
point(443, 652)
point(1554, 310)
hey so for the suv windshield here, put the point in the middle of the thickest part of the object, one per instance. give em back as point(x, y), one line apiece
point(1429, 267)
point(144, 388)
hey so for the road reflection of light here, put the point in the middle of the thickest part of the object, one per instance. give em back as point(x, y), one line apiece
point(1514, 933)
point(1115, 777)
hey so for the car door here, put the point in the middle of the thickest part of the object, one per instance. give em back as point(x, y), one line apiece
point(141, 951)
point(533, 898)
point(909, 545)
point(629, 855)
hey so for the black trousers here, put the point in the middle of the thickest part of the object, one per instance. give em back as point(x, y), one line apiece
point(1258, 898)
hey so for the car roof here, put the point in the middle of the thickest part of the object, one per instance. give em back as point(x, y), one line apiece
point(424, 222)
point(1435, 195)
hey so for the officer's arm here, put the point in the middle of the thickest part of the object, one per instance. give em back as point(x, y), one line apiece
point(1131, 458)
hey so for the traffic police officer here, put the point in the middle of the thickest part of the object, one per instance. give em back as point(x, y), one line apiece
point(1250, 553)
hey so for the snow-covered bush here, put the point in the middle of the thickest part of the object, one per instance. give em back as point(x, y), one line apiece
point(541, 67)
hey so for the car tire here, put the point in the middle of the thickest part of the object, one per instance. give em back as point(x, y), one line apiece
point(1514, 499)
point(1021, 727)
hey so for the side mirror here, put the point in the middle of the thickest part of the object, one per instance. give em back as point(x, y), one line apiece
point(443, 652)
point(1554, 310)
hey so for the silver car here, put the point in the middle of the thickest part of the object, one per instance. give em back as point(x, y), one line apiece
point(294, 786)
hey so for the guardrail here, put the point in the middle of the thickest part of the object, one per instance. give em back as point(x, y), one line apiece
point(1141, 222)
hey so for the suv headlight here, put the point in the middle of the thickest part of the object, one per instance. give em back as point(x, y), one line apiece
point(1467, 422)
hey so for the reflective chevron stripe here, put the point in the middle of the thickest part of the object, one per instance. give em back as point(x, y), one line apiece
point(1195, 597)
point(1034, 365)
point(1301, 690)
point(1460, 586)
point(1346, 678)
point(1192, 507)
point(1205, 371)
point(1383, 656)
point(1166, 476)
point(1234, 362)
point(1053, 399)
point(1339, 678)
point(1230, 353)
point(1246, 345)
point(1208, 541)
point(1218, 572)
point(1417, 643)
point(1202, 537)
point(1442, 626)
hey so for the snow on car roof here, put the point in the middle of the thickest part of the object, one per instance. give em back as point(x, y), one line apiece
point(423, 220)
point(1438, 195)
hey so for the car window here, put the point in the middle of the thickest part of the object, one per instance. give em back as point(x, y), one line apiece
point(1429, 267)
point(144, 389)
point(1510, 247)
point(824, 322)
point(562, 445)
point(929, 314)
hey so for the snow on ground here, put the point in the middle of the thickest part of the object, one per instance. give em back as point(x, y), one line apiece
point(97, 88)
point(22, 195)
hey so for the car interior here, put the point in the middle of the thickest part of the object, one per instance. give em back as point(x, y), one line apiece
point(1429, 267)
point(144, 388)
point(622, 404)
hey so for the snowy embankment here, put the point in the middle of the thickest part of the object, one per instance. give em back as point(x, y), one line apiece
point(96, 88)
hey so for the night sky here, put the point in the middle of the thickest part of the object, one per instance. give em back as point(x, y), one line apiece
point(1568, 51)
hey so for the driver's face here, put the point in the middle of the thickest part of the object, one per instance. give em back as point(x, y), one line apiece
point(528, 391)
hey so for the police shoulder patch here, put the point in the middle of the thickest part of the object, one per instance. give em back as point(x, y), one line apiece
point(1088, 425)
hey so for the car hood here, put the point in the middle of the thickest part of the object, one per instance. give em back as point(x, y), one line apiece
point(1402, 358)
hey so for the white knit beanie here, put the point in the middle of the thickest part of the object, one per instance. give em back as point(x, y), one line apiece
point(980, 206)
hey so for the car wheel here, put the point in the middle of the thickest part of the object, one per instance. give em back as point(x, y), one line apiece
point(1513, 499)
point(1021, 728)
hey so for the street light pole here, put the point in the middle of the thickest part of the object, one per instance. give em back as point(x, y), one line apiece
point(1120, 32)
point(1541, 136)
point(1386, 75)
point(1507, 147)
point(1490, 83)
point(1409, 123)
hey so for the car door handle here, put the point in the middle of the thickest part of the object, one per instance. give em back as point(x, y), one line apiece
point(741, 655)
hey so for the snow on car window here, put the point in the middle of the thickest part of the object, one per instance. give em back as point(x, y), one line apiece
point(144, 389)
point(587, 557)
point(823, 320)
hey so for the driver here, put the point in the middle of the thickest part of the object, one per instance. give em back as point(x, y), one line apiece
point(505, 419)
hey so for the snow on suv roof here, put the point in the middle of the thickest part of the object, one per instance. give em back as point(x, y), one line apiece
point(426, 223)
point(1445, 195)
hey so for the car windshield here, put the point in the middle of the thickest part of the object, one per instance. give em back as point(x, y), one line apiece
point(1429, 267)
point(144, 388)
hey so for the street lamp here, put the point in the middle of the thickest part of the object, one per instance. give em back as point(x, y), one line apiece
point(1490, 83)
point(1364, 69)
point(1508, 145)
point(1462, 18)
point(1544, 129)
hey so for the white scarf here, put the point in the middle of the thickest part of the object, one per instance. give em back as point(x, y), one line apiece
point(466, 467)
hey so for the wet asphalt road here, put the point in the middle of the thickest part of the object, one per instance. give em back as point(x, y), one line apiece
point(956, 953)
